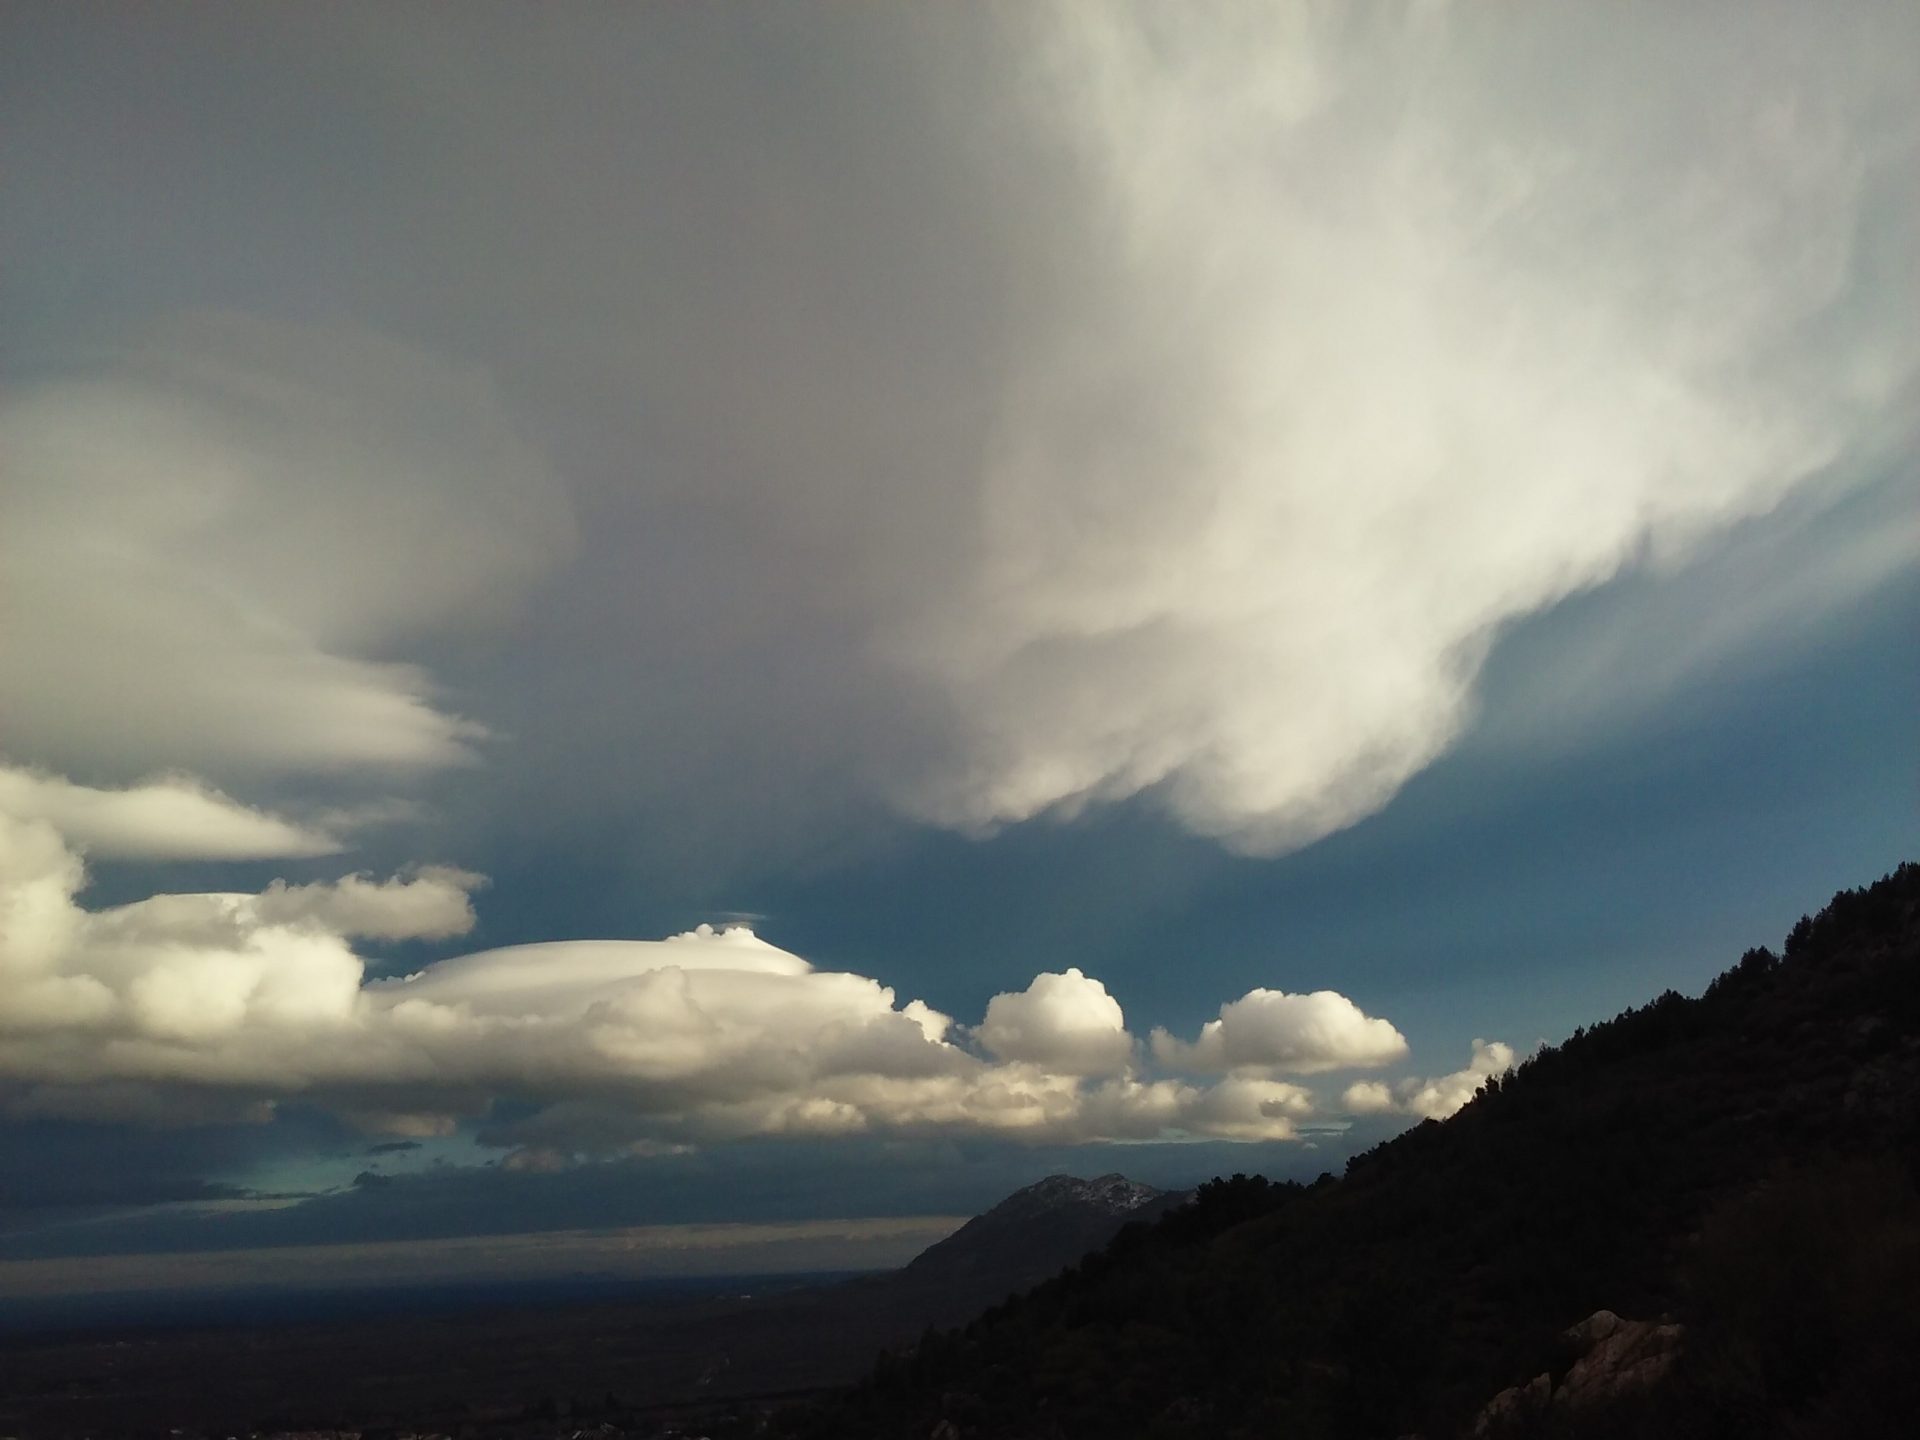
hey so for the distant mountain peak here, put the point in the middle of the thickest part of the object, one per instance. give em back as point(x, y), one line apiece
point(1036, 1230)
point(1113, 1193)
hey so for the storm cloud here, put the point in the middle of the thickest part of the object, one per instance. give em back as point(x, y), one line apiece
point(1147, 409)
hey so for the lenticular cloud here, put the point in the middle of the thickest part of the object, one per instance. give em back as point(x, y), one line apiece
point(207, 532)
point(221, 1004)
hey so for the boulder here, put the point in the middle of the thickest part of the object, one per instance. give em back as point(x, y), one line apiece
point(1513, 1408)
point(1614, 1358)
point(1617, 1357)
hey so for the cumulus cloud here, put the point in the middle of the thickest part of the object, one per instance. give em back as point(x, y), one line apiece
point(1065, 1022)
point(430, 904)
point(174, 818)
point(1432, 1099)
point(224, 1004)
point(1368, 1097)
point(1248, 1107)
point(1270, 1030)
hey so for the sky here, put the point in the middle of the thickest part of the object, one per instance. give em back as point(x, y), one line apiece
point(617, 617)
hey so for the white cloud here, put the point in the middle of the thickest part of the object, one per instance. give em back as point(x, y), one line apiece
point(1065, 1022)
point(227, 1003)
point(1436, 1098)
point(1390, 341)
point(1270, 1030)
point(1368, 1097)
point(173, 818)
point(430, 904)
point(1243, 1107)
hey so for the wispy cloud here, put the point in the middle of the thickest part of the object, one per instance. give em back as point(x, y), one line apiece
point(173, 818)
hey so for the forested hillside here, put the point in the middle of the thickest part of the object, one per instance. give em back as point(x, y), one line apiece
point(1743, 1162)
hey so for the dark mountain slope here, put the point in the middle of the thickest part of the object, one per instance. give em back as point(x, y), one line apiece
point(1744, 1159)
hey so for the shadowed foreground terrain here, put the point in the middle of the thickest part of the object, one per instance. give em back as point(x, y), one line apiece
point(1696, 1219)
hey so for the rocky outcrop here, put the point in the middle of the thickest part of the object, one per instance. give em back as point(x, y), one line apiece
point(1618, 1357)
point(1514, 1410)
point(1613, 1359)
